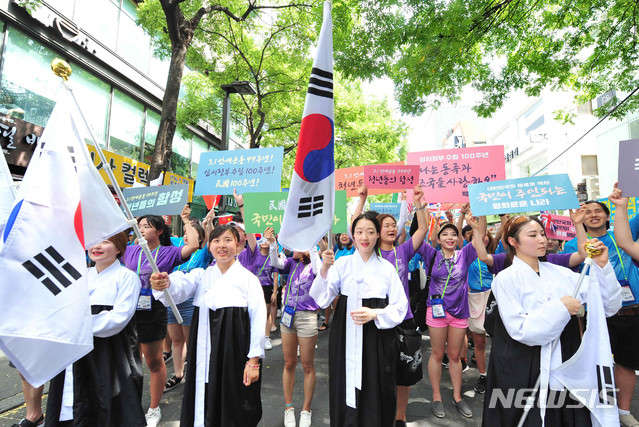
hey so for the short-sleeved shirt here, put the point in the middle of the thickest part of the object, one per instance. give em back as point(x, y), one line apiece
point(300, 280)
point(499, 261)
point(625, 269)
point(261, 267)
point(480, 278)
point(200, 258)
point(166, 258)
point(343, 252)
point(246, 257)
point(456, 294)
point(399, 257)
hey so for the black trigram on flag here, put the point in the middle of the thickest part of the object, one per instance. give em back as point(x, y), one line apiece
point(310, 206)
point(321, 83)
point(606, 386)
point(42, 267)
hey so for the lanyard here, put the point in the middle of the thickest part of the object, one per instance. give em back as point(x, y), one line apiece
point(262, 269)
point(188, 264)
point(396, 266)
point(155, 258)
point(290, 283)
point(450, 273)
point(481, 280)
point(618, 254)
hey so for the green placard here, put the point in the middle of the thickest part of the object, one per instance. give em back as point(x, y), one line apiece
point(263, 210)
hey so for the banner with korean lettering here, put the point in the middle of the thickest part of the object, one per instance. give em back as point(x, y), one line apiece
point(391, 177)
point(257, 170)
point(18, 139)
point(537, 193)
point(126, 171)
point(387, 208)
point(446, 174)
point(263, 210)
point(158, 200)
point(350, 179)
point(558, 226)
point(172, 179)
point(632, 208)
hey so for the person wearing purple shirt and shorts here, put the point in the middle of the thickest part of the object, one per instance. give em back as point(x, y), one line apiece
point(447, 311)
point(299, 325)
point(151, 315)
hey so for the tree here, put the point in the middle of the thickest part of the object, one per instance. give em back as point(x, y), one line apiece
point(433, 49)
point(181, 21)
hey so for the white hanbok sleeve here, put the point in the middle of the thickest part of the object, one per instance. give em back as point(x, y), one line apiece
point(183, 286)
point(537, 327)
point(609, 288)
point(257, 316)
point(110, 322)
point(323, 291)
point(395, 312)
point(276, 261)
point(316, 262)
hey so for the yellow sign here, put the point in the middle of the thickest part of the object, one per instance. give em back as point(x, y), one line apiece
point(171, 178)
point(126, 171)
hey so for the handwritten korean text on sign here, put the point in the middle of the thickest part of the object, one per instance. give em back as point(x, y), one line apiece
point(549, 192)
point(387, 208)
point(558, 227)
point(350, 179)
point(248, 171)
point(632, 208)
point(157, 200)
point(263, 210)
point(391, 176)
point(446, 174)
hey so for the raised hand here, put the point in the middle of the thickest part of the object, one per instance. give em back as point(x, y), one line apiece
point(269, 234)
point(617, 198)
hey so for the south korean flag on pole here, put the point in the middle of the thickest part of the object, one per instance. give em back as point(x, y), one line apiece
point(311, 199)
point(62, 205)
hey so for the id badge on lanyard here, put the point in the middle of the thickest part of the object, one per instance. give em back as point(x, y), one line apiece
point(437, 305)
point(626, 292)
point(144, 302)
point(289, 312)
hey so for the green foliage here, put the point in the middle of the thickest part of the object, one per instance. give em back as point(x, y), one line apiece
point(432, 49)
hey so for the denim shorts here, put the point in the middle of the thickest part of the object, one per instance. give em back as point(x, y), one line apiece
point(186, 311)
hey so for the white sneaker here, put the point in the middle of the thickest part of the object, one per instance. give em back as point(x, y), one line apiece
point(305, 419)
point(153, 417)
point(628, 420)
point(289, 417)
point(267, 344)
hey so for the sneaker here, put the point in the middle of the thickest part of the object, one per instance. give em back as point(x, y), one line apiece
point(26, 423)
point(305, 419)
point(628, 421)
point(464, 365)
point(289, 418)
point(153, 417)
point(463, 408)
point(445, 360)
point(167, 356)
point(438, 409)
point(267, 344)
point(480, 386)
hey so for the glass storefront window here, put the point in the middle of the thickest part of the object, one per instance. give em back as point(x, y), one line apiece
point(28, 88)
point(150, 134)
point(93, 96)
point(99, 18)
point(134, 45)
point(125, 129)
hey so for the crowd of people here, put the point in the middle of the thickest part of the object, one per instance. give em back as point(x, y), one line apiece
point(232, 289)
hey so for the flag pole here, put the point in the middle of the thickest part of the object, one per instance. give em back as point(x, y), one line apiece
point(63, 70)
point(530, 401)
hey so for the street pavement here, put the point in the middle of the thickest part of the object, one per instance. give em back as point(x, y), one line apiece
point(419, 414)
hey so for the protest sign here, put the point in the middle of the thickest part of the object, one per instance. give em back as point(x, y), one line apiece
point(536, 193)
point(391, 177)
point(446, 174)
point(632, 208)
point(158, 200)
point(171, 179)
point(257, 170)
point(350, 179)
point(558, 226)
point(629, 167)
point(387, 208)
point(263, 210)
point(125, 170)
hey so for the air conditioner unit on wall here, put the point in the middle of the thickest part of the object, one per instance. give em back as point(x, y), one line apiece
point(592, 187)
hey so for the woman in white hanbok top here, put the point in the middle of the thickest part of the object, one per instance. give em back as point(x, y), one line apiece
point(226, 343)
point(536, 308)
point(363, 342)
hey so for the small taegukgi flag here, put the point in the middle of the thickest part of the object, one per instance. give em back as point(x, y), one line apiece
point(61, 206)
point(311, 200)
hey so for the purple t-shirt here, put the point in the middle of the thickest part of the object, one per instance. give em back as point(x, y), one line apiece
point(261, 267)
point(499, 261)
point(400, 256)
point(166, 258)
point(456, 295)
point(299, 284)
point(245, 258)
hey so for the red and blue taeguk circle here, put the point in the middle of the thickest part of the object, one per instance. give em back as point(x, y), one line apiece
point(315, 157)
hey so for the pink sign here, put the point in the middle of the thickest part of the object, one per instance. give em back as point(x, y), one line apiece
point(557, 226)
point(445, 174)
point(350, 179)
point(391, 176)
